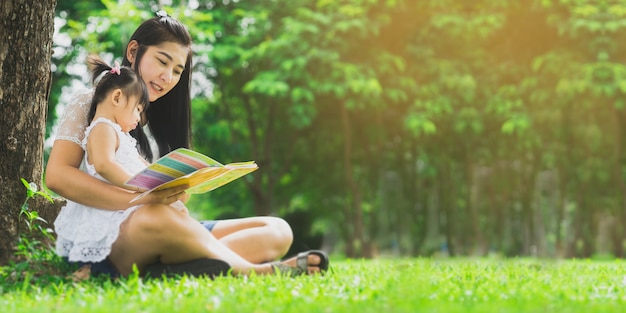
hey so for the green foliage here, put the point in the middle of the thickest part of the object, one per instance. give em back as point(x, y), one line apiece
point(31, 217)
point(35, 260)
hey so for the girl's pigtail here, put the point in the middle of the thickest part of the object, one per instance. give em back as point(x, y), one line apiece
point(98, 66)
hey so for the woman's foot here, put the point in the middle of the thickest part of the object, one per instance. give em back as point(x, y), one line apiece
point(305, 263)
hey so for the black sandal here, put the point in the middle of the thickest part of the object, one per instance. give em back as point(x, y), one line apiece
point(302, 264)
point(197, 268)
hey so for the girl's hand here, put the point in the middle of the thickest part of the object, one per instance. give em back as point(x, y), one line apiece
point(180, 207)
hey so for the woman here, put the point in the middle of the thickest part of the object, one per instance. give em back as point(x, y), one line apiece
point(156, 233)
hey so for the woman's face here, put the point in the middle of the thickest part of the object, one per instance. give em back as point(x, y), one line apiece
point(161, 67)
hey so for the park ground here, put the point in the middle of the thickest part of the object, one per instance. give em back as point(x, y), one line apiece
point(382, 285)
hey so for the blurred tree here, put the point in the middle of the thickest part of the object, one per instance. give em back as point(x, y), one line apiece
point(416, 127)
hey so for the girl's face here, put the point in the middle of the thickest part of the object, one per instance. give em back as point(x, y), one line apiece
point(128, 113)
point(161, 67)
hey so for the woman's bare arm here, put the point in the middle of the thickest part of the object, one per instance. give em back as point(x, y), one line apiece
point(64, 177)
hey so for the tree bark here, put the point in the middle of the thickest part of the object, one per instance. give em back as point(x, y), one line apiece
point(354, 205)
point(618, 231)
point(26, 34)
point(447, 194)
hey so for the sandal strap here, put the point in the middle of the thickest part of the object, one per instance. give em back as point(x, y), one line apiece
point(285, 269)
point(302, 264)
point(302, 261)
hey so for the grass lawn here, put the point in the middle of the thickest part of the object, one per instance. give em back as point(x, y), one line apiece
point(389, 285)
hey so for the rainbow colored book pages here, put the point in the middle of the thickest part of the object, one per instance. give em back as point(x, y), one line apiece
point(186, 167)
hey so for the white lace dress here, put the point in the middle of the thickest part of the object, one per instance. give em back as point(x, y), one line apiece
point(85, 233)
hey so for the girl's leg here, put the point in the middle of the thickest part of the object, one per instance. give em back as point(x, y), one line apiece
point(256, 239)
point(160, 233)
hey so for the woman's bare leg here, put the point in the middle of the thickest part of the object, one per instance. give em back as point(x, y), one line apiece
point(256, 239)
point(161, 233)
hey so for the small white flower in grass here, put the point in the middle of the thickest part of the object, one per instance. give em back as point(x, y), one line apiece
point(603, 292)
point(216, 301)
point(213, 303)
point(33, 187)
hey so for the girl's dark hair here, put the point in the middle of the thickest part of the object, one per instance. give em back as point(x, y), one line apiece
point(126, 79)
point(169, 117)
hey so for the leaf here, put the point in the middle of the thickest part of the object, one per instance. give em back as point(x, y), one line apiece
point(508, 127)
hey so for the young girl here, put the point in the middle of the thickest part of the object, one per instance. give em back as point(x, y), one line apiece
point(156, 233)
point(86, 234)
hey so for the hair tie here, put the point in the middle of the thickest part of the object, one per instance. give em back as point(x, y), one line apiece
point(161, 13)
point(116, 69)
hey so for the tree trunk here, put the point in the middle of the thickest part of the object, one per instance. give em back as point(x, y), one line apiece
point(26, 36)
point(618, 230)
point(447, 194)
point(478, 243)
point(354, 205)
point(528, 178)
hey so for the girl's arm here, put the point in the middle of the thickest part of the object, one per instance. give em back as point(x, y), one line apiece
point(64, 177)
point(102, 144)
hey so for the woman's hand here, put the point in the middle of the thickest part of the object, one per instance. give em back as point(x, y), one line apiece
point(185, 197)
point(166, 196)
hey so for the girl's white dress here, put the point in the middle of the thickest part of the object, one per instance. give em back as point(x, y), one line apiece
point(84, 233)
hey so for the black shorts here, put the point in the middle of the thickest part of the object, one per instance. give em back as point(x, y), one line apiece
point(105, 267)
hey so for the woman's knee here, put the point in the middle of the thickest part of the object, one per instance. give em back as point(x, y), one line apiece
point(280, 230)
point(155, 218)
point(282, 227)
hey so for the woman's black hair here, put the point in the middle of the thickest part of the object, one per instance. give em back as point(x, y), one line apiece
point(169, 117)
point(123, 78)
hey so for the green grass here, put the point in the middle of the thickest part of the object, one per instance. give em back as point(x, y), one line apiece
point(400, 285)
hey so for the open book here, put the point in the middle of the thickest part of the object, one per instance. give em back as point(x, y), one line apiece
point(186, 167)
